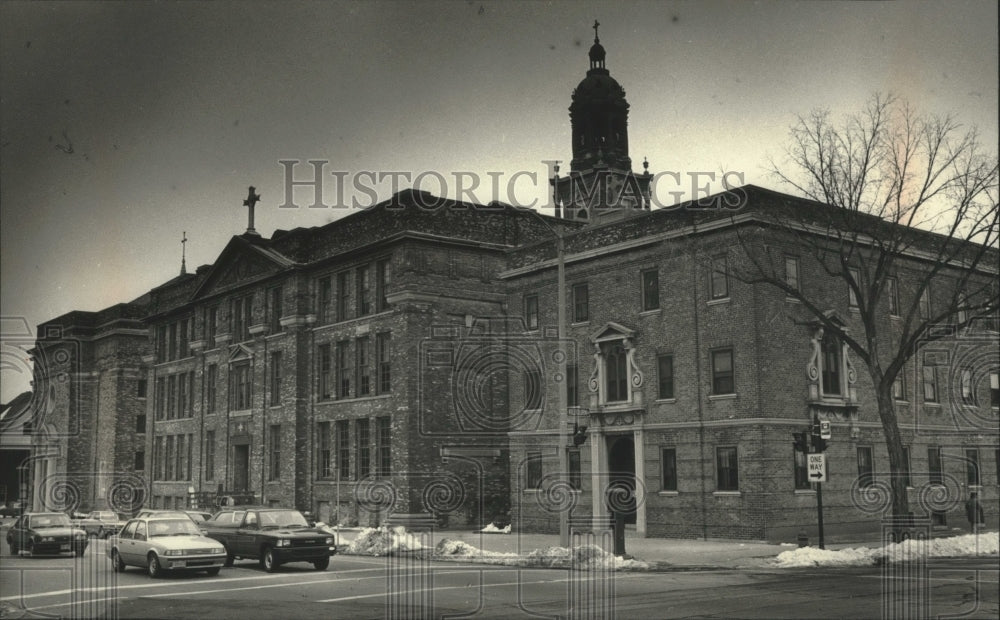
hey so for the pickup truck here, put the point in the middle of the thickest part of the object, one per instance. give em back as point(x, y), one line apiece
point(100, 523)
point(274, 536)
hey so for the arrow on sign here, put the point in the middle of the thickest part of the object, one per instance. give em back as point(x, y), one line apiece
point(817, 474)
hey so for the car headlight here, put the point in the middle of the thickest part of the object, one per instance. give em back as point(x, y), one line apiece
point(219, 550)
point(284, 542)
point(329, 541)
point(48, 539)
point(174, 552)
point(79, 535)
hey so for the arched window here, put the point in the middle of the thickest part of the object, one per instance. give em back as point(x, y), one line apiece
point(831, 363)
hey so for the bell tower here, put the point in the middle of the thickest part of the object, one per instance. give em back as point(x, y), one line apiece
point(600, 181)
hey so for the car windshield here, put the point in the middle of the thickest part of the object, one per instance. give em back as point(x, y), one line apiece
point(53, 520)
point(282, 518)
point(173, 527)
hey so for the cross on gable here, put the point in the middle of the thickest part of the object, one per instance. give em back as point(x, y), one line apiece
point(251, 201)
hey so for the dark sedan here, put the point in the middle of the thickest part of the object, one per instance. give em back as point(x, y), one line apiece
point(46, 533)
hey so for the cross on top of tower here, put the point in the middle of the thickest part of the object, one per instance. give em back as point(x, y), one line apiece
point(184, 240)
point(251, 200)
point(596, 25)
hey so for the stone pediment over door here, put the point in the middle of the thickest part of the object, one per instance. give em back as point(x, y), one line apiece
point(611, 331)
point(240, 263)
point(240, 353)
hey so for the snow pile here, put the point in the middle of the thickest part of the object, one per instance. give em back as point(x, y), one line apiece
point(587, 557)
point(492, 529)
point(383, 541)
point(986, 543)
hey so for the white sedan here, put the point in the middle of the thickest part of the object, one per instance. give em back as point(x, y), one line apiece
point(161, 544)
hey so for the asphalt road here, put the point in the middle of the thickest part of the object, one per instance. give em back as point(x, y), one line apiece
point(364, 587)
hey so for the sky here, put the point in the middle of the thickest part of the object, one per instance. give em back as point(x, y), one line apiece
point(125, 125)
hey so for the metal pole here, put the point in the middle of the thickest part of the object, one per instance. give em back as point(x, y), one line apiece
point(819, 509)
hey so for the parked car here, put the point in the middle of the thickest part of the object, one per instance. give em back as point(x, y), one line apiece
point(46, 533)
point(274, 536)
point(12, 509)
point(160, 512)
point(101, 523)
point(160, 544)
point(198, 516)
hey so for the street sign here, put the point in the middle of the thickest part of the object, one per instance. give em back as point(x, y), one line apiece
point(817, 467)
point(824, 429)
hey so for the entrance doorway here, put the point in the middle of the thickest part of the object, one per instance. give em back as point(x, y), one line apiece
point(241, 468)
point(621, 470)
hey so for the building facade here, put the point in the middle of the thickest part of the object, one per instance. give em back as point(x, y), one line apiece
point(408, 360)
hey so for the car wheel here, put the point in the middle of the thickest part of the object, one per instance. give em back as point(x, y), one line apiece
point(13, 547)
point(321, 564)
point(117, 563)
point(212, 572)
point(229, 557)
point(30, 548)
point(153, 566)
point(268, 561)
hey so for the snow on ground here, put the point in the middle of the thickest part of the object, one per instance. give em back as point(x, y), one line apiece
point(985, 543)
point(383, 541)
point(492, 529)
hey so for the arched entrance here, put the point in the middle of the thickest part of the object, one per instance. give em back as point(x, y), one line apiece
point(621, 469)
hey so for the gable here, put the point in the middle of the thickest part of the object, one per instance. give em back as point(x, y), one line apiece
point(612, 331)
point(240, 263)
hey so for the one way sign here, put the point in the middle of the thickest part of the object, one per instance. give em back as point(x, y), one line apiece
point(817, 467)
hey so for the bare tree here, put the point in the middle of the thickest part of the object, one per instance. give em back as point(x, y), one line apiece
point(893, 191)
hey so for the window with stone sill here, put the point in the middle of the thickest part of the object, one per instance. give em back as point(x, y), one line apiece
point(615, 379)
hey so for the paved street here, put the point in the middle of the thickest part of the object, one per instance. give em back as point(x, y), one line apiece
point(366, 587)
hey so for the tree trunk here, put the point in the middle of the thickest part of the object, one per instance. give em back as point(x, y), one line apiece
point(897, 461)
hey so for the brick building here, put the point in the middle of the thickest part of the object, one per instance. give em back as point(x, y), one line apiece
point(406, 359)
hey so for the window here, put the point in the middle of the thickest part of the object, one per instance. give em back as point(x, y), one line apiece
point(364, 451)
point(722, 372)
point(616, 367)
point(533, 471)
point(935, 471)
point(381, 285)
point(720, 278)
point(963, 314)
point(930, 383)
point(323, 466)
point(211, 325)
point(801, 470)
point(665, 376)
point(139, 464)
point(276, 378)
point(792, 272)
point(274, 310)
point(968, 392)
point(342, 296)
point(855, 277)
point(343, 449)
point(324, 295)
point(668, 469)
point(925, 304)
point(383, 456)
point(727, 469)
point(140, 388)
point(161, 395)
point(905, 474)
point(650, 289)
point(169, 456)
point(172, 344)
point(190, 399)
point(161, 343)
point(209, 455)
point(830, 350)
point(361, 366)
point(573, 462)
point(240, 382)
point(899, 386)
point(892, 295)
point(994, 389)
point(382, 363)
point(972, 467)
point(240, 316)
point(343, 371)
point(532, 389)
point(531, 311)
point(158, 458)
point(179, 471)
point(182, 396)
point(581, 303)
point(572, 386)
point(363, 285)
point(171, 397)
point(325, 372)
point(274, 442)
point(210, 388)
point(140, 423)
point(866, 467)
